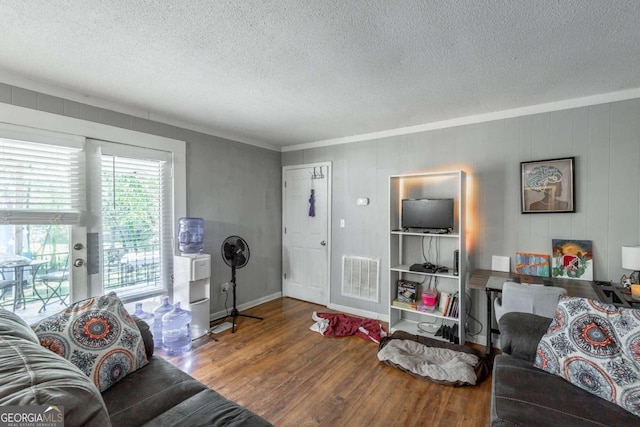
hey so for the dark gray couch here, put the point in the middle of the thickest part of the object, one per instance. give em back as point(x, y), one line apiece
point(158, 394)
point(526, 396)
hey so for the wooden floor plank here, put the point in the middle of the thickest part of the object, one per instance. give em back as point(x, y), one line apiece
point(292, 376)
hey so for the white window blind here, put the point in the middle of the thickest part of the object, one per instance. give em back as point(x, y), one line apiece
point(41, 183)
point(136, 223)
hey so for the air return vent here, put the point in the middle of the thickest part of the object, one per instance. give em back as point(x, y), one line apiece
point(360, 278)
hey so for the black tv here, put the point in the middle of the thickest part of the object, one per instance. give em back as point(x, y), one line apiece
point(428, 214)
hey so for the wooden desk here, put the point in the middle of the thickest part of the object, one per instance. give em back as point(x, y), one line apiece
point(479, 280)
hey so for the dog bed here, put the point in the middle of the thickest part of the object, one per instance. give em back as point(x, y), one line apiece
point(434, 360)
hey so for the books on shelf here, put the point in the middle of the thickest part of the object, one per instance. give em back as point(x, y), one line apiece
point(454, 306)
point(449, 304)
point(445, 297)
point(402, 304)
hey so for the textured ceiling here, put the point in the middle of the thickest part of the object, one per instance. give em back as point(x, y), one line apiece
point(287, 72)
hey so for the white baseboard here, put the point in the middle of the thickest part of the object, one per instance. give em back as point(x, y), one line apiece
point(482, 340)
point(358, 312)
point(220, 314)
point(477, 339)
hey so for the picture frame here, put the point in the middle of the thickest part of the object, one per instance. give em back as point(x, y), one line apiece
point(530, 264)
point(572, 259)
point(548, 186)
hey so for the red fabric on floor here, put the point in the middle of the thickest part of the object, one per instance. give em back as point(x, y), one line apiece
point(342, 325)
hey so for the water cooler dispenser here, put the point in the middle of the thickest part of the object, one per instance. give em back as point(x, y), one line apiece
point(191, 287)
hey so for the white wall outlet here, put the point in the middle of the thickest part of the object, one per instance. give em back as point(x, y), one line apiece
point(342, 223)
point(224, 288)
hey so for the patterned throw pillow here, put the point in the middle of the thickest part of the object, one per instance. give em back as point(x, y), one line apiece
point(98, 336)
point(596, 347)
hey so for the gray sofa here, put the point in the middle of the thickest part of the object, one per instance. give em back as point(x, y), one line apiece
point(157, 394)
point(526, 396)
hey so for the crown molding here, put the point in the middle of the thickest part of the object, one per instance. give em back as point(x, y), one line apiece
point(26, 83)
point(47, 89)
point(477, 118)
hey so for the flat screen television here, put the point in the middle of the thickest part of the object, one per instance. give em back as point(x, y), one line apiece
point(427, 214)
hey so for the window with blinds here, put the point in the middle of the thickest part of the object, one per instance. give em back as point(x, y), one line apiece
point(136, 224)
point(41, 183)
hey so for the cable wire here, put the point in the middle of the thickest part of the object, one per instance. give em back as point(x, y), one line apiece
point(422, 329)
point(467, 327)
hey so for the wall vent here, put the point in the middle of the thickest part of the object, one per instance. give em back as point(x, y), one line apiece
point(361, 278)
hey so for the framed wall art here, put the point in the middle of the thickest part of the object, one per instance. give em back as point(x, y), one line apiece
point(531, 264)
point(572, 259)
point(548, 186)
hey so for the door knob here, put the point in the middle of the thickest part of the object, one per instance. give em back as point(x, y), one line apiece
point(323, 243)
point(78, 262)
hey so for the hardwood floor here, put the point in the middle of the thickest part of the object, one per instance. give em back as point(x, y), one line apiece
point(292, 376)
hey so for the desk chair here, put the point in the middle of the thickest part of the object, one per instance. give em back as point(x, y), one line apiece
point(53, 281)
point(6, 285)
point(536, 299)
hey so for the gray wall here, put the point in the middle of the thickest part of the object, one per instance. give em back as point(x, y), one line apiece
point(605, 139)
point(235, 187)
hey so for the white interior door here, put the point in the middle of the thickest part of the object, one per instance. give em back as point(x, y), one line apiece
point(305, 238)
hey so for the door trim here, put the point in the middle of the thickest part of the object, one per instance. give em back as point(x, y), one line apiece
point(328, 175)
point(79, 288)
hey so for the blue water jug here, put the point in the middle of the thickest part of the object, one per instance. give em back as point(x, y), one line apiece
point(143, 315)
point(176, 331)
point(158, 312)
point(191, 235)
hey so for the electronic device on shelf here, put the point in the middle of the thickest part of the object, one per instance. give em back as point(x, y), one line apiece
point(441, 231)
point(429, 215)
point(456, 262)
point(427, 267)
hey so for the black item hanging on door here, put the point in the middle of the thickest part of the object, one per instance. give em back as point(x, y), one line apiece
point(312, 203)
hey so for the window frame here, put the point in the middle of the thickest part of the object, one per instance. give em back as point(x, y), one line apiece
point(100, 149)
point(41, 121)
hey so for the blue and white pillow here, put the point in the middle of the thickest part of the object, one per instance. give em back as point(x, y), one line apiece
point(98, 336)
point(596, 347)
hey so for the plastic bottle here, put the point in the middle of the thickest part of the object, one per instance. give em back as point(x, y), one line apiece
point(176, 331)
point(143, 315)
point(191, 235)
point(158, 312)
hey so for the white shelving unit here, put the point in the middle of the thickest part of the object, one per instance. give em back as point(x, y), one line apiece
point(412, 246)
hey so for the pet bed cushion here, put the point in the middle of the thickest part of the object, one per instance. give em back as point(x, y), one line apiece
point(437, 361)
